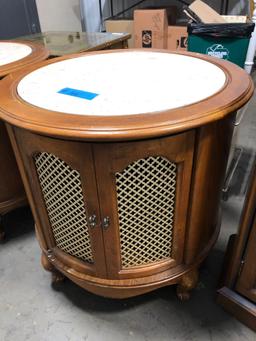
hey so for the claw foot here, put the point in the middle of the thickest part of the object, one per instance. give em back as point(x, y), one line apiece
point(2, 234)
point(57, 277)
point(46, 264)
point(188, 282)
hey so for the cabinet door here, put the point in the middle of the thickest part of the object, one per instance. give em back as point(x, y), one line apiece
point(246, 283)
point(143, 189)
point(62, 179)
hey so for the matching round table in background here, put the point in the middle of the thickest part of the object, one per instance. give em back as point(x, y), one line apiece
point(123, 156)
point(13, 56)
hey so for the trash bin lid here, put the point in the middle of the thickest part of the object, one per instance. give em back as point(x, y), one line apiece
point(228, 30)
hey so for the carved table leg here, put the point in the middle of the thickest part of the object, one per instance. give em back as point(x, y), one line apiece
point(2, 234)
point(188, 282)
point(57, 276)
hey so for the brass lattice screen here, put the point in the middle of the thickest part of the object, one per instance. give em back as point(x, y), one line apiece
point(146, 201)
point(63, 196)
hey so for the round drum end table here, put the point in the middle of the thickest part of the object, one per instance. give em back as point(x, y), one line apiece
point(13, 56)
point(123, 155)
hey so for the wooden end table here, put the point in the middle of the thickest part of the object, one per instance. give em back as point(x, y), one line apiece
point(13, 57)
point(123, 156)
point(61, 43)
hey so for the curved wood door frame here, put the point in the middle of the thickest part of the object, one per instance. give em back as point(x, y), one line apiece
point(76, 155)
point(114, 157)
point(235, 93)
point(210, 161)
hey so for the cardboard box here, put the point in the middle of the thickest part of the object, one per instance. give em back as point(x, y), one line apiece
point(177, 38)
point(150, 29)
point(206, 13)
point(171, 12)
point(235, 18)
point(121, 26)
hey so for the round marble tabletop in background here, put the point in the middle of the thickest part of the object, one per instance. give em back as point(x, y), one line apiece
point(11, 52)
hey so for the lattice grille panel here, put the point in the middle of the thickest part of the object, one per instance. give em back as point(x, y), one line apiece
point(63, 196)
point(146, 202)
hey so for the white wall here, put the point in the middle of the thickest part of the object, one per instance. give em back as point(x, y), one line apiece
point(59, 15)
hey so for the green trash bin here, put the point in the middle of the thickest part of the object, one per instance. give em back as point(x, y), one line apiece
point(226, 41)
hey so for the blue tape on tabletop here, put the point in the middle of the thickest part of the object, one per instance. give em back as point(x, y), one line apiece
point(78, 93)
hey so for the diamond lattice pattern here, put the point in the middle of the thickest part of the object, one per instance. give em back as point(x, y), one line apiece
point(146, 203)
point(63, 196)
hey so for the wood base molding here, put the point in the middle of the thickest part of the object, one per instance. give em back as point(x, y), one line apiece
point(185, 276)
point(12, 204)
point(237, 305)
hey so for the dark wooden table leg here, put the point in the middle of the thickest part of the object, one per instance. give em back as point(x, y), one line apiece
point(2, 234)
point(188, 282)
point(57, 276)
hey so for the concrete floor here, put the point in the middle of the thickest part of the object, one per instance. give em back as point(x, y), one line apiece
point(32, 310)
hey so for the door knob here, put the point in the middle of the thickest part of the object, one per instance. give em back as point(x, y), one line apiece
point(92, 220)
point(106, 222)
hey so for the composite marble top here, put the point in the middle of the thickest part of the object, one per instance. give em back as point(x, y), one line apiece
point(116, 84)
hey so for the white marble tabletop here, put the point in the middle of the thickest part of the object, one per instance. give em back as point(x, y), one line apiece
point(121, 83)
point(12, 52)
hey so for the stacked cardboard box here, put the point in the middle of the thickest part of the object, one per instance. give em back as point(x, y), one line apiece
point(177, 38)
point(121, 26)
point(150, 29)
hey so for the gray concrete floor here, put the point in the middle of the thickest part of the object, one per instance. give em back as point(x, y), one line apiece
point(32, 310)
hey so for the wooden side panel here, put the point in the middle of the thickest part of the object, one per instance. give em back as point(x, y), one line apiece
point(241, 308)
point(241, 238)
point(11, 188)
point(246, 283)
point(238, 293)
point(210, 160)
